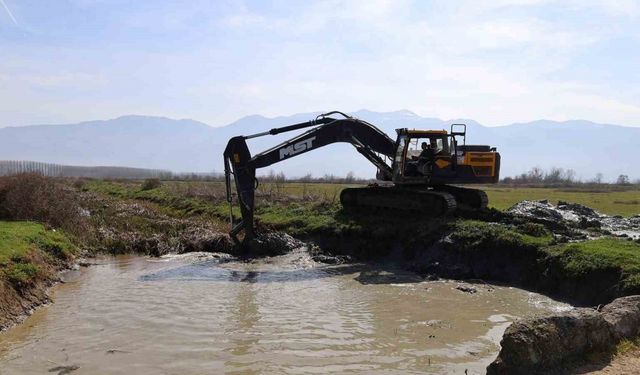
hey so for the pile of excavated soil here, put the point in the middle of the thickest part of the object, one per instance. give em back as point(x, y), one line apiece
point(273, 243)
point(577, 216)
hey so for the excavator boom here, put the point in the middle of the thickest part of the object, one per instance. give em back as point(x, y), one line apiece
point(368, 140)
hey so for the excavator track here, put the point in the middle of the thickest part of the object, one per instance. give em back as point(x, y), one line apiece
point(466, 199)
point(429, 202)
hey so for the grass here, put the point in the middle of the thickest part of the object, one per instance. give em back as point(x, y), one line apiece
point(196, 198)
point(308, 208)
point(627, 345)
point(277, 207)
point(479, 235)
point(19, 237)
point(21, 273)
point(607, 201)
point(18, 241)
point(584, 258)
point(625, 203)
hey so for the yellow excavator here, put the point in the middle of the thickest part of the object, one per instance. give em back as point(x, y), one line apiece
point(419, 171)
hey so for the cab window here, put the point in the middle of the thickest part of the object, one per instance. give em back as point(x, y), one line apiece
point(440, 145)
point(414, 149)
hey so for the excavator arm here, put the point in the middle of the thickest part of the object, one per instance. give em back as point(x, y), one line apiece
point(368, 140)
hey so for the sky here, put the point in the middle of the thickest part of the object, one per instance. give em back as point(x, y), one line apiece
point(497, 62)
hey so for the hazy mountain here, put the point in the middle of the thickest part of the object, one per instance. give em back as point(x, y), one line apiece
point(186, 145)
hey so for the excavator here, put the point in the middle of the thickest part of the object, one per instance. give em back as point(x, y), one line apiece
point(419, 171)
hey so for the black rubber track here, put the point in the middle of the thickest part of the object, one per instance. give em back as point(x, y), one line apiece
point(469, 199)
point(430, 203)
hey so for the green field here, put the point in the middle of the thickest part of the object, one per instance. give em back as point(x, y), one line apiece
point(302, 209)
point(625, 203)
point(611, 202)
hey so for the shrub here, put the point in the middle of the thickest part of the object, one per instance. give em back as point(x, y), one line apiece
point(31, 196)
point(151, 183)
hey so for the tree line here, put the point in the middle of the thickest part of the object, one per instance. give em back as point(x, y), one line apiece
point(13, 167)
point(535, 176)
point(562, 177)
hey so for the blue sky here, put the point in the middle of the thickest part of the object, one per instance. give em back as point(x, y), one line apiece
point(497, 62)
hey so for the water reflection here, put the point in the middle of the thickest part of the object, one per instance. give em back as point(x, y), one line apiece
point(240, 326)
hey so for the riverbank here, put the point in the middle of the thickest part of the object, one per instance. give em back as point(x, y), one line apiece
point(30, 258)
point(567, 251)
point(555, 343)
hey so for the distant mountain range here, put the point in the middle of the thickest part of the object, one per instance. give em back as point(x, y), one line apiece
point(192, 146)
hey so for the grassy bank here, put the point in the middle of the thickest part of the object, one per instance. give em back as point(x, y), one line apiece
point(293, 208)
point(30, 257)
point(23, 242)
point(586, 273)
point(581, 260)
point(311, 208)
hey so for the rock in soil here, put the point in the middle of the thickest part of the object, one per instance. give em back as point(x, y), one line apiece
point(331, 259)
point(467, 289)
point(273, 243)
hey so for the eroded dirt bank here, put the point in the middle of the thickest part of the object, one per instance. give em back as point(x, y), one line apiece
point(19, 299)
point(531, 245)
point(548, 344)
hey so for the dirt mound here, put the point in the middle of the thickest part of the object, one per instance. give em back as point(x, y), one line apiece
point(573, 215)
point(273, 243)
point(545, 345)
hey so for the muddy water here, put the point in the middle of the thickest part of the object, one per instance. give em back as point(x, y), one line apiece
point(197, 315)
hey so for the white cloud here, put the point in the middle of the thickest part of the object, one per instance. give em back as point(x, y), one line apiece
point(494, 61)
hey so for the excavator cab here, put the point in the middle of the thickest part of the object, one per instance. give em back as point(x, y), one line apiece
point(435, 157)
point(418, 152)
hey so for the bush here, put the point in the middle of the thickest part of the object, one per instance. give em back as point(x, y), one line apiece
point(151, 183)
point(31, 196)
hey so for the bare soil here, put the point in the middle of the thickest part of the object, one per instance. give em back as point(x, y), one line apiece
point(627, 363)
point(19, 301)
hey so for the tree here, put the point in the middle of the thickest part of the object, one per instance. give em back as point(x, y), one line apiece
point(623, 179)
point(350, 178)
point(598, 179)
point(536, 174)
point(554, 175)
point(307, 178)
point(569, 176)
